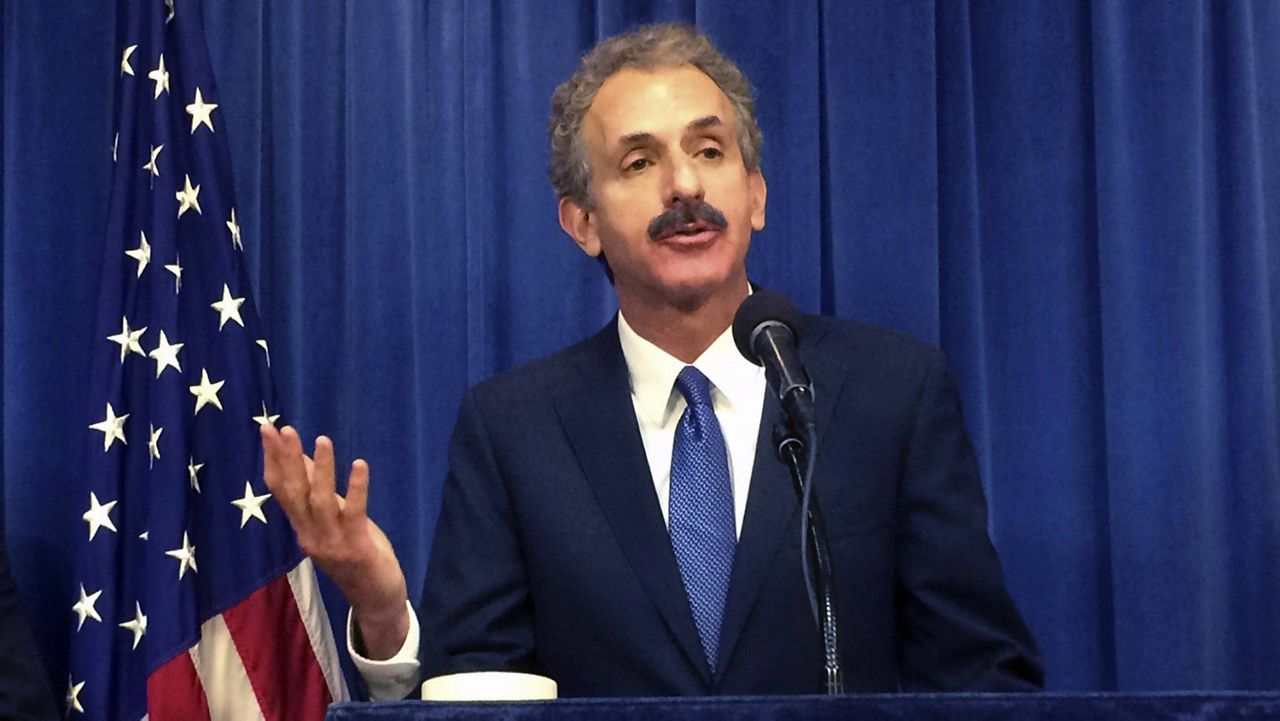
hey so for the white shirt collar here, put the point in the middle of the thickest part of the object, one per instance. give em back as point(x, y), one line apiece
point(653, 373)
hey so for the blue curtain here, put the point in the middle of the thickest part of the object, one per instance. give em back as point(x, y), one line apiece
point(1077, 201)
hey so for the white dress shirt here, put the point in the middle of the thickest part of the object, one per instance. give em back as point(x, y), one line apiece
point(738, 388)
point(737, 393)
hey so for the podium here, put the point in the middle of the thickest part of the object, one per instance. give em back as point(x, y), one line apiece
point(931, 707)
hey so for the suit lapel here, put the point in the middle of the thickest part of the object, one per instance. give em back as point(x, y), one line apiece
point(600, 422)
point(771, 502)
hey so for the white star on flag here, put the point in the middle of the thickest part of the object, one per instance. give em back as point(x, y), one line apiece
point(138, 625)
point(193, 472)
point(176, 269)
point(125, 67)
point(186, 556)
point(153, 446)
point(73, 695)
point(99, 515)
point(166, 355)
point(263, 342)
point(228, 308)
point(250, 505)
point(112, 428)
point(142, 253)
point(266, 418)
point(201, 112)
point(206, 392)
point(151, 165)
point(161, 78)
point(188, 197)
point(234, 227)
point(84, 607)
point(128, 339)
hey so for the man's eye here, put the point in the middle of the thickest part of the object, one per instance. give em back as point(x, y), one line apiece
point(637, 165)
point(712, 153)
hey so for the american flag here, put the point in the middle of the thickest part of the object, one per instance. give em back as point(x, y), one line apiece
point(192, 599)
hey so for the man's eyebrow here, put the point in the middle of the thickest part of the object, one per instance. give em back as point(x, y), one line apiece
point(710, 121)
point(631, 140)
point(634, 139)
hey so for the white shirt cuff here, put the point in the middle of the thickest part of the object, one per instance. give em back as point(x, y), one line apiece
point(394, 678)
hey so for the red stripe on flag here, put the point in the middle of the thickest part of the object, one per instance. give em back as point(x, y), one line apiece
point(174, 692)
point(277, 654)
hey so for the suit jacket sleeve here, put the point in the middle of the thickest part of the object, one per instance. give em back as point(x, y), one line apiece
point(958, 627)
point(24, 690)
point(475, 611)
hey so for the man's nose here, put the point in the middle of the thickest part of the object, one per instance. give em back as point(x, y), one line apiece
point(686, 181)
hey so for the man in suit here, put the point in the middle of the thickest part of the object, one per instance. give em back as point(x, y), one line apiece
point(615, 517)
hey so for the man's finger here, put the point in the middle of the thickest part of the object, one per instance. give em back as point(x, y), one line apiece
point(270, 460)
point(280, 471)
point(322, 480)
point(355, 507)
point(291, 463)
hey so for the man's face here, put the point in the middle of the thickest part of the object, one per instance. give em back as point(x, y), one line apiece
point(674, 204)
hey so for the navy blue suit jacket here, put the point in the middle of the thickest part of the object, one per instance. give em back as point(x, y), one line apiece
point(551, 554)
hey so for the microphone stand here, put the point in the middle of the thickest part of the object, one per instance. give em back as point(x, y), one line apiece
point(799, 456)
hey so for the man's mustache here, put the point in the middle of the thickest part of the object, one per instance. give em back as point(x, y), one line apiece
point(683, 213)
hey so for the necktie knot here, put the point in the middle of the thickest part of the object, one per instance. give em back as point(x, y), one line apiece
point(695, 387)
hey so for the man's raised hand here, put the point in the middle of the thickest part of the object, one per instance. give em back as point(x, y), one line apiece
point(339, 536)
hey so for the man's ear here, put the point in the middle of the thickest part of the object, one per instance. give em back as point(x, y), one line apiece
point(759, 193)
point(580, 225)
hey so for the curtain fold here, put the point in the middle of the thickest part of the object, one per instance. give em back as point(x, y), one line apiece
point(1076, 201)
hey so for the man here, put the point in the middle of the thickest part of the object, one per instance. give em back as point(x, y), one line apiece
point(617, 520)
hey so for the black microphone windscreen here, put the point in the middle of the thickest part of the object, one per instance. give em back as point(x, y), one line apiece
point(760, 307)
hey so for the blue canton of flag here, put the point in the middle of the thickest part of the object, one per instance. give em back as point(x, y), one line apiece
point(193, 599)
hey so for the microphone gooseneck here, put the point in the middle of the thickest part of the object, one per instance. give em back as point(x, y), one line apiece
point(765, 331)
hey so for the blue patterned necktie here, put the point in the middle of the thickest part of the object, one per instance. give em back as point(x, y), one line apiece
point(701, 509)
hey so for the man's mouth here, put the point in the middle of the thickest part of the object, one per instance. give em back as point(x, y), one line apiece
point(689, 232)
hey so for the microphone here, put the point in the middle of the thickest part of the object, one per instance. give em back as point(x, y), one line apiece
point(764, 329)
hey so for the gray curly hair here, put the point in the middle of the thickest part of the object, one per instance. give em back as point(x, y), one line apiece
point(646, 47)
